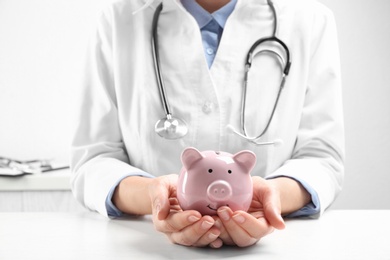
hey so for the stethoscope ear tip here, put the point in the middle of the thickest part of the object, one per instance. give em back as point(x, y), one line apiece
point(230, 128)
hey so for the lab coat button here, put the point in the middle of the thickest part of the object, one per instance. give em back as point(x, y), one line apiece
point(207, 107)
point(209, 51)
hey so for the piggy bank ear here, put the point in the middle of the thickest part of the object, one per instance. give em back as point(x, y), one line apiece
point(189, 156)
point(245, 159)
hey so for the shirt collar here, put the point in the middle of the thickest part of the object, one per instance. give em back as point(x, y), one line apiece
point(203, 17)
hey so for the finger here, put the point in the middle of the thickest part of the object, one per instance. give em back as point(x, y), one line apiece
point(239, 235)
point(254, 224)
point(174, 204)
point(199, 234)
point(209, 238)
point(217, 243)
point(176, 221)
point(224, 235)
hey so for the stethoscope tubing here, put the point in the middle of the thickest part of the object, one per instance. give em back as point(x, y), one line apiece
point(248, 64)
point(249, 56)
point(157, 64)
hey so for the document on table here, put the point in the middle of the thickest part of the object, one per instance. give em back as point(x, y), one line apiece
point(14, 168)
point(11, 172)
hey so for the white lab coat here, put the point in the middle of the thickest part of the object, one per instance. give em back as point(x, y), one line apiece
point(120, 103)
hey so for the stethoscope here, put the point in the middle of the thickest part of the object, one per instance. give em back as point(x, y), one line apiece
point(173, 128)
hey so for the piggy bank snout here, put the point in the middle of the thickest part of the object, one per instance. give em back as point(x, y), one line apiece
point(219, 190)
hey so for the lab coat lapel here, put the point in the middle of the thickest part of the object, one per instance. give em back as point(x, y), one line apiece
point(186, 75)
point(250, 21)
point(182, 49)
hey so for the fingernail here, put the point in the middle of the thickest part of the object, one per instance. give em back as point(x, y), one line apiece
point(193, 219)
point(212, 236)
point(223, 214)
point(206, 225)
point(239, 218)
point(216, 244)
point(218, 224)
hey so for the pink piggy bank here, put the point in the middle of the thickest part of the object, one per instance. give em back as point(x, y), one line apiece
point(209, 180)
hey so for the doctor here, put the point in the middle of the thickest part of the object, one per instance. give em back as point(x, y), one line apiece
point(291, 117)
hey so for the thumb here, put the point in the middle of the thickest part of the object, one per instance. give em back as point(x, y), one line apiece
point(274, 218)
point(159, 193)
point(272, 208)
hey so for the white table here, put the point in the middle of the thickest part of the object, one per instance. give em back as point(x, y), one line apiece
point(337, 235)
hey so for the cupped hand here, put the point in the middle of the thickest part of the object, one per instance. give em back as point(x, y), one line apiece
point(188, 227)
point(247, 228)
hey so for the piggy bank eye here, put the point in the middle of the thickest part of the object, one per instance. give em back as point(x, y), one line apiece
point(210, 170)
point(230, 171)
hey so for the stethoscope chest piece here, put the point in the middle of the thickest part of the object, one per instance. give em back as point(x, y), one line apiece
point(171, 128)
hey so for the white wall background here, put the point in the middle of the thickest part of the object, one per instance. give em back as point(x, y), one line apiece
point(364, 36)
point(42, 43)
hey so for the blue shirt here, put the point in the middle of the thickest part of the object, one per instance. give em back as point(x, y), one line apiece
point(211, 25)
point(211, 28)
